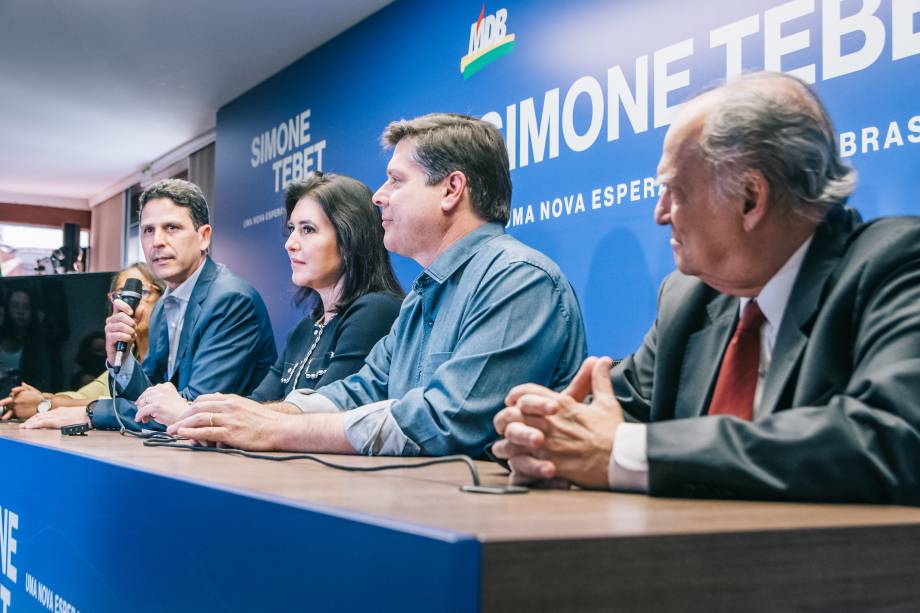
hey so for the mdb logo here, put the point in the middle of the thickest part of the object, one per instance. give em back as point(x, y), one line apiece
point(489, 41)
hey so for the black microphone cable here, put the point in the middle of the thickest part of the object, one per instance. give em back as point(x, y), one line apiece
point(162, 439)
point(131, 294)
point(475, 488)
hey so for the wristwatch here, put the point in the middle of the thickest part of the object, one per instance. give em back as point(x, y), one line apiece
point(89, 412)
point(44, 405)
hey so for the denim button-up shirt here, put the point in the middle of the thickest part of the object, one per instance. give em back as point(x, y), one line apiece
point(488, 314)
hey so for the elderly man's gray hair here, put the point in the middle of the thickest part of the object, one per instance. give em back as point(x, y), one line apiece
point(782, 130)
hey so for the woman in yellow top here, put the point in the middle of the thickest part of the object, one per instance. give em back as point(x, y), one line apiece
point(25, 400)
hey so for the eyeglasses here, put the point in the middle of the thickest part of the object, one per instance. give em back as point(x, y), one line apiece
point(146, 293)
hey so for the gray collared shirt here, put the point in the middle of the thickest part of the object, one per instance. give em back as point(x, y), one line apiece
point(175, 302)
point(490, 313)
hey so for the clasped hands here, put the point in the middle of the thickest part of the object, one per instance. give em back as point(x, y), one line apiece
point(22, 402)
point(554, 437)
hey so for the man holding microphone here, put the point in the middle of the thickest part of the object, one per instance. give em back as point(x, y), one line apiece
point(210, 332)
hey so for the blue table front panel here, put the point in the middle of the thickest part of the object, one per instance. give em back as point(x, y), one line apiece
point(97, 536)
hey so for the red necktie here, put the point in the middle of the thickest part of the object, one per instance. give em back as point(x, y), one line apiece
point(737, 382)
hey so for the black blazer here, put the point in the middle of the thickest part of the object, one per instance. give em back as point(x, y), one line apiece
point(345, 342)
point(839, 419)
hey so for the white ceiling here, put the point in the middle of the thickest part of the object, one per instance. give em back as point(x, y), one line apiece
point(92, 92)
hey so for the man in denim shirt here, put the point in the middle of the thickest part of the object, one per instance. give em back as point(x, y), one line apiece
point(486, 313)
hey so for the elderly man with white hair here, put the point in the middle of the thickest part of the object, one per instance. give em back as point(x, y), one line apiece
point(784, 362)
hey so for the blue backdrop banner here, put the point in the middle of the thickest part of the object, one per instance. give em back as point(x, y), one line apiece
point(583, 92)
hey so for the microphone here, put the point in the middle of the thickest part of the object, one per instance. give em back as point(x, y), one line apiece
point(130, 293)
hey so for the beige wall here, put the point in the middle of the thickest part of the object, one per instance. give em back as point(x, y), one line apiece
point(106, 239)
point(49, 216)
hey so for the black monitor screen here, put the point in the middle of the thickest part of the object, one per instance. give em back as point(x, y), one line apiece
point(51, 330)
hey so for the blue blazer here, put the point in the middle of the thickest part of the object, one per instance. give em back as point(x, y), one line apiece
point(226, 345)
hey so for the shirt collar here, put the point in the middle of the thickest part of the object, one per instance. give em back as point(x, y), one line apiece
point(774, 296)
point(462, 250)
point(184, 291)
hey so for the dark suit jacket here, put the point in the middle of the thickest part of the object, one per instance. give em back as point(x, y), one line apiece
point(226, 344)
point(840, 415)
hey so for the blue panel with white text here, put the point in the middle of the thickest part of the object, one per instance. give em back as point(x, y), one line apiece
point(583, 92)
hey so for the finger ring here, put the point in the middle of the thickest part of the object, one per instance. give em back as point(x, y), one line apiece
point(211, 420)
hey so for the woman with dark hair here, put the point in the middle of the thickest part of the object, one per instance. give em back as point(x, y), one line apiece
point(335, 244)
point(346, 284)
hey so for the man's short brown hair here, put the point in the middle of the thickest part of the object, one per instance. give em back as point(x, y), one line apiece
point(446, 142)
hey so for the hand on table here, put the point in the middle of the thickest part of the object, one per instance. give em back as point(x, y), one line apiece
point(231, 421)
point(554, 435)
point(162, 403)
point(57, 418)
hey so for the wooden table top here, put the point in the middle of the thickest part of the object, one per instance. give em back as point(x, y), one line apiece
point(431, 497)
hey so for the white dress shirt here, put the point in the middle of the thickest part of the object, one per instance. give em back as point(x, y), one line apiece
point(628, 467)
